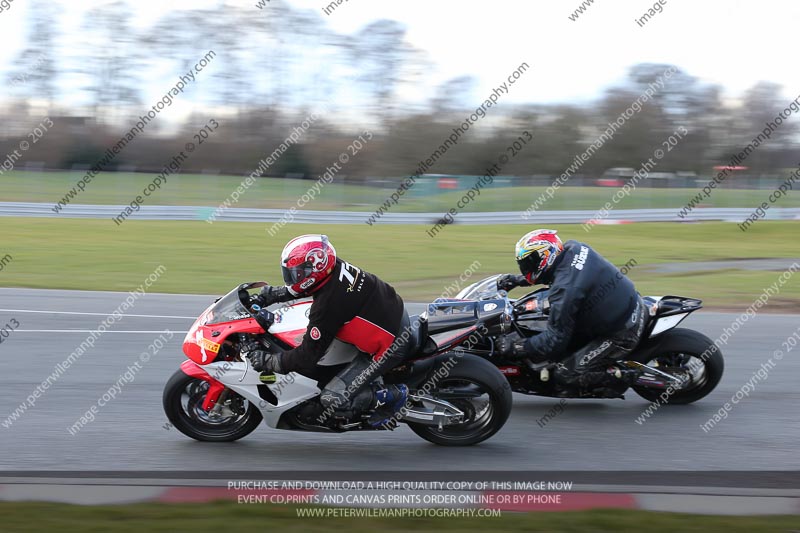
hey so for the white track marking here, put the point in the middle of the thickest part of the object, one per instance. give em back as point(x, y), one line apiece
point(95, 314)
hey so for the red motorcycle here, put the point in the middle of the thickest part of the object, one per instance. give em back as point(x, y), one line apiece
point(456, 399)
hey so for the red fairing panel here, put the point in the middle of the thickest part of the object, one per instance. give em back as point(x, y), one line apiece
point(190, 368)
point(366, 336)
point(215, 388)
point(202, 347)
point(293, 338)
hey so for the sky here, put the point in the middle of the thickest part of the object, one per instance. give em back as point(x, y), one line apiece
point(733, 43)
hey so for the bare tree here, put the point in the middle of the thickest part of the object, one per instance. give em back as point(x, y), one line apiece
point(112, 59)
point(36, 69)
point(379, 52)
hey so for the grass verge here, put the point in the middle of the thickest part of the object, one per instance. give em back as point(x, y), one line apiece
point(120, 188)
point(228, 516)
point(206, 258)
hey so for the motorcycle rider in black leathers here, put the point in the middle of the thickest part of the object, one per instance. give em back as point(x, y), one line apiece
point(596, 315)
point(351, 305)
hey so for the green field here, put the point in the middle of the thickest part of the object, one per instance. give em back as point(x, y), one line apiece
point(228, 516)
point(211, 191)
point(207, 258)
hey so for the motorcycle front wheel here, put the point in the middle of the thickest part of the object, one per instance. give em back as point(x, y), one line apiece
point(183, 405)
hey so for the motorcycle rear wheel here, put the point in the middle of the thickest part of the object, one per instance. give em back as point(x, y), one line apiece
point(485, 414)
point(671, 348)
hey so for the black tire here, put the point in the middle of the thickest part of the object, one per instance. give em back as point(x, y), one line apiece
point(188, 419)
point(688, 342)
point(480, 373)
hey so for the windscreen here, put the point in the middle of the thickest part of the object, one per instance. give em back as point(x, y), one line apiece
point(230, 307)
point(481, 290)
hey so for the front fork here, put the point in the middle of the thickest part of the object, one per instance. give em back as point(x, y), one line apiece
point(215, 387)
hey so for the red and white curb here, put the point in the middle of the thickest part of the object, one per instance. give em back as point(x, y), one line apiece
point(704, 501)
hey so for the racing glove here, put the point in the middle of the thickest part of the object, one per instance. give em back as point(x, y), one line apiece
point(507, 282)
point(262, 360)
point(511, 346)
point(270, 295)
point(268, 363)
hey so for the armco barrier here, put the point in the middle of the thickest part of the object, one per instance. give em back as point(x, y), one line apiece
point(185, 212)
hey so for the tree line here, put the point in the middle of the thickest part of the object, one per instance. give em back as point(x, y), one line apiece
point(277, 64)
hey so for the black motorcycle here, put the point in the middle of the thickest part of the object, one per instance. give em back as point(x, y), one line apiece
point(670, 364)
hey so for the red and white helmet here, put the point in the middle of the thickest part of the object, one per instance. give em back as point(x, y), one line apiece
point(536, 251)
point(307, 263)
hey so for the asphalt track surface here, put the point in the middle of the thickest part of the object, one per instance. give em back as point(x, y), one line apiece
point(760, 433)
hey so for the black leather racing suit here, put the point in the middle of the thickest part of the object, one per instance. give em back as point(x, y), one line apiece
point(595, 313)
point(358, 308)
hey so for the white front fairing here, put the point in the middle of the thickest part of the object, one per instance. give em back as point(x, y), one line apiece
point(290, 317)
point(290, 389)
point(295, 319)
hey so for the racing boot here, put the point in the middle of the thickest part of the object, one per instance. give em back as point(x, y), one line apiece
point(596, 383)
point(389, 402)
point(608, 384)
